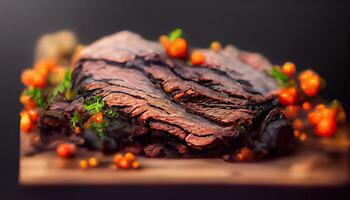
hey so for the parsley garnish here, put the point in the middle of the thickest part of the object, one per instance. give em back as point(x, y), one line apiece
point(111, 113)
point(175, 34)
point(93, 105)
point(281, 78)
point(64, 86)
point(240, 128)
point(37, 96)
point(75, 119)
point(99, 128)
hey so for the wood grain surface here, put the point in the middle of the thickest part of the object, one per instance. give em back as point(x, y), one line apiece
point(307, 168)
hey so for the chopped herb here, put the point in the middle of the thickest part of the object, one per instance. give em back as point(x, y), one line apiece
point(63, 87)
point(177, 33)
point(281, 78)
point(37, 96)
point(111, 113)
point(93, 105)
point(75, 119)
point(99, 128)
point(240, 128)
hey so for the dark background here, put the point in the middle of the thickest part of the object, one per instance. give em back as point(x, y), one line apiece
point(311, 34)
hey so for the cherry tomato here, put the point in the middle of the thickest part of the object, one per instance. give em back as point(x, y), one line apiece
point(65, 150)
point(25, 123)
point(288, 96)
point(326, 127)
point(288, 69)
point(197, 58)
point(177, 49)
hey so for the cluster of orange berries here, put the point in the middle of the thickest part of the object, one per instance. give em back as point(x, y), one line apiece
point(91, 162)
point(126, 161)
point(309, 82)
point(321, 117)
point(178, 48)
point(28, 120)
point(35, 77)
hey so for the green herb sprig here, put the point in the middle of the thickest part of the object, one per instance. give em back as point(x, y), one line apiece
point(99, 128)
point(282, 79)
point(63, 87)
point(75, 119)
point(177, 33)
point(37, 96)
point(93, 105)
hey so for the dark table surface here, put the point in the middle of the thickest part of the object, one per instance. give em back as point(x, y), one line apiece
point(310, 33)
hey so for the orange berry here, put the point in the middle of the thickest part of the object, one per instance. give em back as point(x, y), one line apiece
point(25, 123)
point(65, 150)
point(27, 77)
point(46, 65)
point(303, 137)
point(118, 158)
point(298, 124)
point(130, 157)
point(135, 165)
point(39, 80)
point(305, 75)
point(27, 101)
point(296, 133)
point(307, 106)
point(291, 111)
point(315, 117)
point(93, 162)
point(83, 164)
point(311, 86)
point(197, 58)
point(288, 69)
point(288, 96)
point(215, 46)
point(124, 164)
point(320, 107)
point(98, 117)
point(34, 115)
point(326, 127)
point(177, 49)
point(164, 40)
point(77, 130)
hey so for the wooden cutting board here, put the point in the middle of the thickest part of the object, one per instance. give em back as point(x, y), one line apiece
point(317, 167)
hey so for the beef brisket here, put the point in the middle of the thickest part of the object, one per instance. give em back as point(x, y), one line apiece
point(213, 109)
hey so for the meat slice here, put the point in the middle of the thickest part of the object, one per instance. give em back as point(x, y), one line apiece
point(217, 107)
